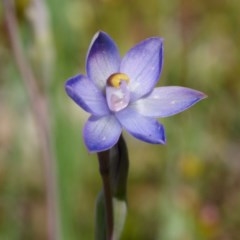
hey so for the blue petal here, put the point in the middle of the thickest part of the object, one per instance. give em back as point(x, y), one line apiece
point(101, 133)
point(144, 128)
point(87, 95)
point(103, 59)
point(143, 64)
point(167, 101)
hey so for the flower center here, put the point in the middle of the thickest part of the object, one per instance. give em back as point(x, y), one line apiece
point(117, 92)
point(115, 79)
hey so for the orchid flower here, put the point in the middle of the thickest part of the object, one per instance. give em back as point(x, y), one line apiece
point(120, 93)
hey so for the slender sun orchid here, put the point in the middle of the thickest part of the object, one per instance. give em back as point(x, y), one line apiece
point(120, 94)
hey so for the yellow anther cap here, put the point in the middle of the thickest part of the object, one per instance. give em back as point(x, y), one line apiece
point(115, 79)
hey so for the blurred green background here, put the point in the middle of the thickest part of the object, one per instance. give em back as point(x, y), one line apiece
point(188, 189)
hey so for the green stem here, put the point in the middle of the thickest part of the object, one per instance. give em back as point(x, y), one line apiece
point(103, 158)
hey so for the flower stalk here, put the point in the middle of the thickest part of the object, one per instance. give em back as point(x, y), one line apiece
point(104, 168)
point(111, 204)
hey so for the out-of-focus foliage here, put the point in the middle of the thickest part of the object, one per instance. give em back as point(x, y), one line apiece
point(188, 189)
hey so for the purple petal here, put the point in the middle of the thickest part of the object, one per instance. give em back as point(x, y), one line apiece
point(167, 101)
point(143, 64)
point(101, 133)
point(144, 128)
point(87, 95)
point(103, 59)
